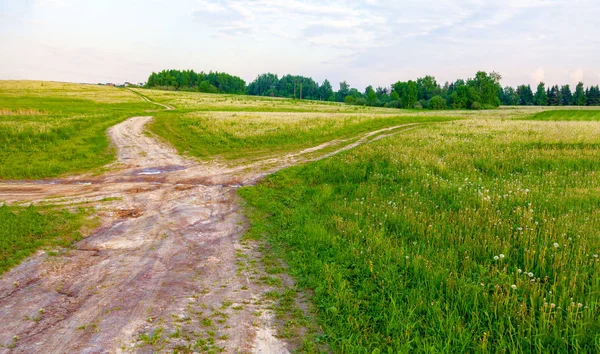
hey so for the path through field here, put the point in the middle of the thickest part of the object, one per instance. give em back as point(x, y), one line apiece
point(163, 270)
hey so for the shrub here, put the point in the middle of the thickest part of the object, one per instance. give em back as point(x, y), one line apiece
point(437, 102)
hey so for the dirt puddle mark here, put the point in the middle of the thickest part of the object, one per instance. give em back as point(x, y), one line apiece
point(163, 272)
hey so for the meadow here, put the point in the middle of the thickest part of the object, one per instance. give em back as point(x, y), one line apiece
point(477, 231)
point(48, 129)
point(475, 235)
point(234, 128)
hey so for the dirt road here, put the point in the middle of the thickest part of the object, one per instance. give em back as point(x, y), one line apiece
point(163, 272)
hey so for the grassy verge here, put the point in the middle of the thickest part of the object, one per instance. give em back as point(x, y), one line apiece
point(25, 230)
point(47, 129)
point(470, 236)
point(568, 115)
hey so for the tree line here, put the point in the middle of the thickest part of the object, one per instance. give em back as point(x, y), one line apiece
point(483, 91)
point(552, 96)
point(189, 80)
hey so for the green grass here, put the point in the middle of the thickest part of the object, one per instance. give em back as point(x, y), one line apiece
point(48, 129)
point(240, 135)
point(568, 115)
point(25, 230)
point(415, 243)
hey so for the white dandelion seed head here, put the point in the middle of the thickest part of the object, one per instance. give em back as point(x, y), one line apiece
point(556, 245)
point(496, 258)
point(530, 274)
point(579, 305)
point(501, 255)
point(514, 287)
point(552, 305)
point(519, 270)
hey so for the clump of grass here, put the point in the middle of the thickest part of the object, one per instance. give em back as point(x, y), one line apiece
point(471, 236)
point(25, 230)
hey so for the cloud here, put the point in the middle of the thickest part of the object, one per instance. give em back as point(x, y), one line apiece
point(537, 76)
point(577, 76)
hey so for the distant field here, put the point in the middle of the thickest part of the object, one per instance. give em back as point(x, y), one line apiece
point(568, 115)
point(47, 128)
point(243, 135)
point(234, 127)
point(195, 101)
point(470, 236)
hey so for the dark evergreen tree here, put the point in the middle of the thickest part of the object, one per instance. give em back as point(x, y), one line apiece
point(567, 95)
point(579, 98)
point(525, 95)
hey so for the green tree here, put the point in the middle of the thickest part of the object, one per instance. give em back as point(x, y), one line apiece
point(427, 87)
point(410, 96)
point(540, 98)
point(459, 98)
point(371, 96)
point(483, 88)
point(325, 91)
point(567, 95)
point(579, 98)
point(510, 96)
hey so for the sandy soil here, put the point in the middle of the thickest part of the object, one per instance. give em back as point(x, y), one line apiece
point(162, 272)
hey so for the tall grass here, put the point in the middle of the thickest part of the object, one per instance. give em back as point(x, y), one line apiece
point(470, 236)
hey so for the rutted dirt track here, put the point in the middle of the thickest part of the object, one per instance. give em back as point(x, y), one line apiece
point(162, 265)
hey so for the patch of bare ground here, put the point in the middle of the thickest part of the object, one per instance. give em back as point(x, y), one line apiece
point(167, 270)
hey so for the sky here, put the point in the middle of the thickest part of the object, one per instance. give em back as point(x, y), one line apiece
point(365, 42)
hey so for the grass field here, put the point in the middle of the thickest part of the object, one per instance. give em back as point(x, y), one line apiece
point(568, 115)
point(48, 129)
point(230, 127)
point(251, 135)
point(25, 230)
point(470, 236)
point(476, 232)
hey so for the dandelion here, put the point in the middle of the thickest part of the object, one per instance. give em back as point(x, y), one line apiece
point(501, 256)
point(519, 270)
point(579, 305)
point(406, 257)
point(530, 274)
point(595, 256)
point(552, 305)
point(514, 287)
point(496, 258)
point(556, 245)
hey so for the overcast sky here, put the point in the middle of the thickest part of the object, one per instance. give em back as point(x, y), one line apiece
point(362, 41)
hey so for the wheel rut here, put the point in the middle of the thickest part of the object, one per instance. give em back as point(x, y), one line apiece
point(162, 272)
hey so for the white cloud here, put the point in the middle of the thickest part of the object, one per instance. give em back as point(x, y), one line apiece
point(537, 76)
point(577, 76)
